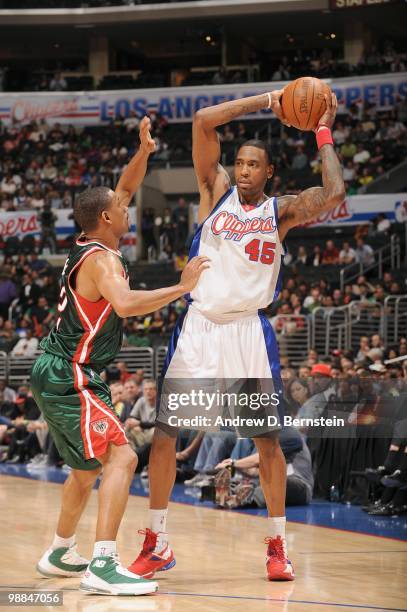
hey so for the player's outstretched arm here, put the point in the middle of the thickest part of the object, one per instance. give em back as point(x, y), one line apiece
point(106, 272)
point(310, 203)
point(213, 180)
point(136, 169)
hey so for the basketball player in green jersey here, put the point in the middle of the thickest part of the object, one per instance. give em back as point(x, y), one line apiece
point(73, 398)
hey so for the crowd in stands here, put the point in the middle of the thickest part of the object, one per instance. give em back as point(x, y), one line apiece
point(224, 468)
point(30, 284)
point(43, 166)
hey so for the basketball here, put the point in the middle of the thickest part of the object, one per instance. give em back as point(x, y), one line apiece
point(303, 102)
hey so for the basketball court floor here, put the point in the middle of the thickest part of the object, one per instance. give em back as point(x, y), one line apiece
point(343, 558)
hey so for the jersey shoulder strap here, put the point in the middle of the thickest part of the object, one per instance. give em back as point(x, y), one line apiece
point(83, 249)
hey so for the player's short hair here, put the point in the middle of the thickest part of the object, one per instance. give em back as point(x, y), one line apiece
point(258, 144)
point(89, 205)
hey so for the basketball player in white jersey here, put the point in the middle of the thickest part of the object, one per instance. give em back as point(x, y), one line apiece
point(222, 334)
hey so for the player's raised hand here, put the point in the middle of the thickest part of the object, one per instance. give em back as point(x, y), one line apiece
point(146, 140)
point(192, 271)
point(276, 96)
point(328, 118)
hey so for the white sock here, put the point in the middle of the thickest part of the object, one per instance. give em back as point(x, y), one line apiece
point(276, 527)
point(62, 542)
point(104, 548)
point(158, 520)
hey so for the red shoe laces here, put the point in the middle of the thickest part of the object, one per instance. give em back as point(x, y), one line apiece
point(275, 548)
point(149, 542)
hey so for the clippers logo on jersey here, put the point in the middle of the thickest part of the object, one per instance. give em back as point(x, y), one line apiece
point(245, 254)
point(234, 228)
point(100, 427)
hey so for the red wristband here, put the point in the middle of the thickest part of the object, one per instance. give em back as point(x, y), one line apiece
point(324, 136)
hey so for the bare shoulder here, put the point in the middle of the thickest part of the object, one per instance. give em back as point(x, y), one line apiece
point(103, 262)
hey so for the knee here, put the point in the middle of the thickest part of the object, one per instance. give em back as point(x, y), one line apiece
point(85, 479)
point(126, 457)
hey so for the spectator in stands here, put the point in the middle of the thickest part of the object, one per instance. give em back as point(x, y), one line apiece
point(364, 348)
point(300, 479)
point(300, 160)
point(47, 220)
point(28, 411)
point(302, 257)
point(147, 228)
point(26, 347)
point(297, 391)
point(7, 394)
point(316, 257)
point(30, 291)
point(340, 133)
point(349, 171)
point(366, 177)
point(364, 253)
point(40, 314)
point(137, 336)
point(304, 371)
point(140, 424)
point(8, 292)
point(157, 323)
point(124, 373)
point(347, 255)
point(313, 300)
point(330, 256)
point(37, 265)
point(362, 155)
point(180, 260)
point(58, 83)
point(281, 74)
point(348, 149)
point(180, 221)
point(322, 390)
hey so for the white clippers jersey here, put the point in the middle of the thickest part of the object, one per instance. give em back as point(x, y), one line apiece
point(245, 253)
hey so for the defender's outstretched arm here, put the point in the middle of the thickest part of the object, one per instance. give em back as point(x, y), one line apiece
point(136, 169)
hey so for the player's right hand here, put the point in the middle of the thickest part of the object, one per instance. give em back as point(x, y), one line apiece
point(192, 271)
point(328, 118)
point(276, 96)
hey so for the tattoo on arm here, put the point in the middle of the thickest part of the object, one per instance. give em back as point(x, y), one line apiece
point(310, 203)
point(238, 108)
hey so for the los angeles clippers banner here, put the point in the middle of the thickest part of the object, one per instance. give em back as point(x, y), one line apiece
point(354, 211)
point(27, 222)
point(179, 104)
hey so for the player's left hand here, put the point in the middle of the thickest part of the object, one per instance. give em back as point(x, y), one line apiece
point(146, 140)
point(328, 118)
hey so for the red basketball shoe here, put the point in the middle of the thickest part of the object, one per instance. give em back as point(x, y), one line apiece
point(278, 566)
point(152, 558)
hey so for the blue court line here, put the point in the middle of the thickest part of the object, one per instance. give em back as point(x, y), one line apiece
point(289, 601)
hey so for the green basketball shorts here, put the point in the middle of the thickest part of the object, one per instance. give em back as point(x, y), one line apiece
point(77, 406)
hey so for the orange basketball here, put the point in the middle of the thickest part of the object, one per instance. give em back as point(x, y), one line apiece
point(303, 102)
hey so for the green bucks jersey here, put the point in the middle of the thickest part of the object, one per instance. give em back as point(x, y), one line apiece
point(86, 332)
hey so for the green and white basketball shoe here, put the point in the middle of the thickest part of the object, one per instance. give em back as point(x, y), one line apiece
point(61, 562)
point(106, 576)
